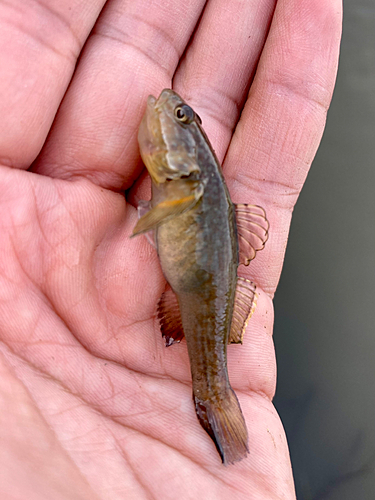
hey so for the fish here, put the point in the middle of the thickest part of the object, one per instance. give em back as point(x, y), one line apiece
point(201, 238)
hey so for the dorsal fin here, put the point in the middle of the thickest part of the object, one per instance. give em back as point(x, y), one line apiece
point(252, 229)
point(244, 306)
point(170, 317)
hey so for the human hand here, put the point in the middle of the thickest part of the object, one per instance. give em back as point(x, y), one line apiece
point(92, 403)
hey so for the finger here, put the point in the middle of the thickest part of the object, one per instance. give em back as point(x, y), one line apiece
point(218, 67)
point(39, 46)
point(283, 120)
point(133, 51)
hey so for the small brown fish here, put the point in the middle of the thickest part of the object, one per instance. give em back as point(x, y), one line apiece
point(201, 238)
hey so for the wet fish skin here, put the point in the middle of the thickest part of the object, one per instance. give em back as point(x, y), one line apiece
point(198, 251)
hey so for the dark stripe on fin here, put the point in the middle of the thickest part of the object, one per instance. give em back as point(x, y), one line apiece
point(225, 424)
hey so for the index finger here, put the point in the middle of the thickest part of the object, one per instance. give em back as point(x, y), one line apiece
point(39, 46)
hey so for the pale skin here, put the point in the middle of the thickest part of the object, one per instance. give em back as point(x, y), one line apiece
point(92, 405)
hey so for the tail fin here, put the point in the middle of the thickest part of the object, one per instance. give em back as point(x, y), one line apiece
point(225, 424)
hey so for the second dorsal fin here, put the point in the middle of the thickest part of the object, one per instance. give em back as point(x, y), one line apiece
point(170, 317)
point(244, 307)
point(252, 229)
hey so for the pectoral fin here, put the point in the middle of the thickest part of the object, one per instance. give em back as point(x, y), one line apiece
point(252, 228)
point(170, 318)
point(180, 195)
point(244, 307)
point(143, 208)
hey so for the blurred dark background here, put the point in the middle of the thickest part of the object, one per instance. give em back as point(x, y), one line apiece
point(325, 305)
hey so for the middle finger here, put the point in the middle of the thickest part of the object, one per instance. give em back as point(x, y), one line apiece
point(218, 67)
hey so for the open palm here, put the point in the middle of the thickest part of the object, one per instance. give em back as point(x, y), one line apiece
point(92, 405)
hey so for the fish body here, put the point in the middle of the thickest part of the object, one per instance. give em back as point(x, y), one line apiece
point(196, 237)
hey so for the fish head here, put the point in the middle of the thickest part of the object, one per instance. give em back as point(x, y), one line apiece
point(167, 137)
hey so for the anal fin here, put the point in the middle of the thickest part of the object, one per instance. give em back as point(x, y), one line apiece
point(244, 307)
point(252, 229)
point(170, 318)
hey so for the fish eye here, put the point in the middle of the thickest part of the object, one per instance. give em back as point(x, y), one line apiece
point(184, 113)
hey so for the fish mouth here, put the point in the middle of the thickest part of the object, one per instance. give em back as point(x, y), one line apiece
point(150, 138)
point(167, 96)
point(162, 142)
point(149, 130)
point(151, 101)
point(156, 104)
point(166, 102)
